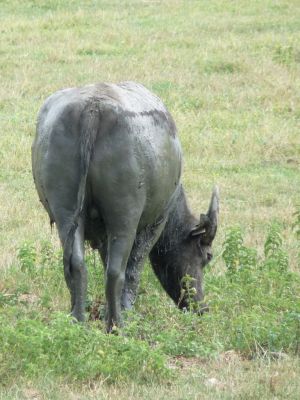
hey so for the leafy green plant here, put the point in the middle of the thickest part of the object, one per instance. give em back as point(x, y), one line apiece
point(275, 256)
point(27, 257)
point(188, 292)
point(235, 254)
point(47, 254)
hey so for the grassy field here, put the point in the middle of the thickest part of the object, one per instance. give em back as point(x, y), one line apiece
point(229, 72)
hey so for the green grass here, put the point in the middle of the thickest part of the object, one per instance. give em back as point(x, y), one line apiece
point(229, 73)
point(254, 319)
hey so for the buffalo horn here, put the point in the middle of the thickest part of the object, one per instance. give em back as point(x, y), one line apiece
point(208, 224)
point(212, 214)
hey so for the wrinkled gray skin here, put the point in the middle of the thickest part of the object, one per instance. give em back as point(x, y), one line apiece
point(106, 163)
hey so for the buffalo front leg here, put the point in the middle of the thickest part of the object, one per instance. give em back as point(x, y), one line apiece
point(144, 242)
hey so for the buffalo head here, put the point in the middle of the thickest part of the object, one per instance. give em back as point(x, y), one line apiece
point(183, 250)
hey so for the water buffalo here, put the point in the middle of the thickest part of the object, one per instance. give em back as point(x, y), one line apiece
point(106, 163)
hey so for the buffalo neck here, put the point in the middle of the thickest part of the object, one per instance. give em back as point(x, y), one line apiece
point(166, 255)
point(179, 223)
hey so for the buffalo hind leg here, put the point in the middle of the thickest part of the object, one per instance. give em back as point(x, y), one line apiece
point(144, 242)
point(118, 251)
point(76, 274)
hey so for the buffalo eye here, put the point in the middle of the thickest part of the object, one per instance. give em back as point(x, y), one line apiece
point(209, 256)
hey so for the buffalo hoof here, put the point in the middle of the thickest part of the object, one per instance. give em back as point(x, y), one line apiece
point(127, 300)
point(203, 309)
point(76, 318)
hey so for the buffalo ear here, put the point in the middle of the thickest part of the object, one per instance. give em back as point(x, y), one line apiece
point(208, 224)
point(200, 228)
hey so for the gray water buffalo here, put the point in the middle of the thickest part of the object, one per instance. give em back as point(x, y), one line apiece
point(106, 163)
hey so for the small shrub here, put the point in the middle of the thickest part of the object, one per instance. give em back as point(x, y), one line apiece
point(27, 257)
point(275, 256)
point(188, 292)
point(235, 254)
point(47, 254)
